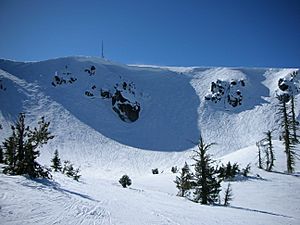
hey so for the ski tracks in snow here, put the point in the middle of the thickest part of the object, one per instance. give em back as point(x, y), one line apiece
point(38, 203)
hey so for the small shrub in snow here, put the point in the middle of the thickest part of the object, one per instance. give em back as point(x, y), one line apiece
point(155, 171)
point(228, 172)
point(246, 170)
point(174, 169)
point(125, 181)
point(70, 171)
point(183, 183)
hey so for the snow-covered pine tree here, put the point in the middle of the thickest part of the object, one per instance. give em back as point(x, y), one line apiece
point(183, 183)
point(56, 164)
point(286, 124)
point(228, 195)
point(207, 187)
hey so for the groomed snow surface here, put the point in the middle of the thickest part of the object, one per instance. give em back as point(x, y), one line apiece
point(173, 114)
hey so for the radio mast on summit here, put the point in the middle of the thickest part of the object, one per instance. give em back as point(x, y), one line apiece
point(102, 50)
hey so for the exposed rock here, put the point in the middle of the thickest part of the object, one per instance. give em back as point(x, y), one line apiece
point(105, 93)
point(91, 71)
point(64, 78)
point(127, 111)
point(288, 86)
point(2, 86)
point(227, 92)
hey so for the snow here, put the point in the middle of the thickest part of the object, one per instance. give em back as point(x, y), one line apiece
point(174, 113)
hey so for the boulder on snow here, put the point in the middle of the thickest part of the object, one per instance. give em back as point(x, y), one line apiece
point(128, 111)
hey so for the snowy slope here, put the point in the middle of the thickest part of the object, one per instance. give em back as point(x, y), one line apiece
point(173, 114)
point(173, 109)
point(269, 200)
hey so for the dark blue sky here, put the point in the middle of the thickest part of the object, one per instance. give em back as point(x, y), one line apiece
point(262, 33)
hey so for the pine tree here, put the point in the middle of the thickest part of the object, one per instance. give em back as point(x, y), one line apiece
point(285, 119)
point(228, 195)
point(259, 155)
point(36, 138)
point(22, 148)
point(1, 155)
point(207, 187)
point(125, 181)
point(56, 164)
point(269, 150)
point(267, 157)
point(183, 183)
point(10, 153)
point(295, 123)
point(21, 134)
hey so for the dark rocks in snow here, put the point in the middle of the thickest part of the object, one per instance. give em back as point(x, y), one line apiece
point(91, 71)
point(2, 86)
point(227, 92)
point(155, 171)
point(288, 86)
point(284, 97)
point(124, 101)
point(89, 94)
point(105, 93)
point(64, 79)
point(128, 111)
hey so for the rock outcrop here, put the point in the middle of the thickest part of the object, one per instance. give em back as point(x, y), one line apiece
point(228, 92)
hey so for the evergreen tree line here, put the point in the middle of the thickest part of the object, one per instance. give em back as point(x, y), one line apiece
point(21, 149)
point(204, 185)
point(289, 127)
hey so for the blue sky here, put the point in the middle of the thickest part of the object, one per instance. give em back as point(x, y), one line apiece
point(260, 33)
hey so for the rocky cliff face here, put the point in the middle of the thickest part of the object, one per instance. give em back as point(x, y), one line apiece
point(288, 86)
point(229, 92)
point(123, 101)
